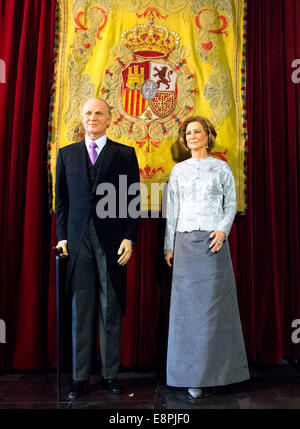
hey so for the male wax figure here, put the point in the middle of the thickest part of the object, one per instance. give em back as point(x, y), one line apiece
point(98, 247)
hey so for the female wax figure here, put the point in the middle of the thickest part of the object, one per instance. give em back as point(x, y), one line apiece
point(205, 344)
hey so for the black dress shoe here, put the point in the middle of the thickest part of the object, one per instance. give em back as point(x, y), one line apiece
point(78, 388)
point(113, 385)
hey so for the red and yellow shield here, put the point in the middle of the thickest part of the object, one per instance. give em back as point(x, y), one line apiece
point(149, 90)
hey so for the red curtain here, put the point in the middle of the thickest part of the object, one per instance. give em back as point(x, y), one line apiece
point(26, 46)
point(264, 243)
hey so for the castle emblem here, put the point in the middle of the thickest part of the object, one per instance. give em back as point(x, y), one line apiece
point(149, 90)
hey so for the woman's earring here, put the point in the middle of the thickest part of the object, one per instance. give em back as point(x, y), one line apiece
point(207, 144)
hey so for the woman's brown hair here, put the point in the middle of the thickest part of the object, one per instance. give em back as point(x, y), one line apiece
point(207, 127)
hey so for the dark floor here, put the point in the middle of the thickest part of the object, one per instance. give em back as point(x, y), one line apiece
point(270, 387)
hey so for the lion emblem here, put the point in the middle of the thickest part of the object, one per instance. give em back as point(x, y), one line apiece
point(164, 76)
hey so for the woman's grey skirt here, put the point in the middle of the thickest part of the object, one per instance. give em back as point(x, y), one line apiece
point(205, 345)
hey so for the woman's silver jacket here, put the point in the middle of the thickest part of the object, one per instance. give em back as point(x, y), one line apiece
point(201, 195)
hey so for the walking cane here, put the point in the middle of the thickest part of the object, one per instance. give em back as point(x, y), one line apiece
point(57, 253)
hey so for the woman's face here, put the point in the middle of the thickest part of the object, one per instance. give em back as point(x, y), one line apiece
point(196, 137)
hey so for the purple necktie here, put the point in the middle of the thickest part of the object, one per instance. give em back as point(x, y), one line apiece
point(93, 152)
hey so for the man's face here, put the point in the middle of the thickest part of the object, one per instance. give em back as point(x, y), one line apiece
point(95, 118)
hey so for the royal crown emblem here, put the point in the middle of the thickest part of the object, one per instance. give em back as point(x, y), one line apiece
point(149, 87)
point(145, 83)
point(150, 40)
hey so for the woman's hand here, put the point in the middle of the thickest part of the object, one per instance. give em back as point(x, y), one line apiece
point(169, 258)
point(218, 239)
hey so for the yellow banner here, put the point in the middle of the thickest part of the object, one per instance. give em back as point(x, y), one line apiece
point(156, 63)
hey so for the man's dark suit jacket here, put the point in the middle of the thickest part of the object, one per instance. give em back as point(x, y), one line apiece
point(76, 201)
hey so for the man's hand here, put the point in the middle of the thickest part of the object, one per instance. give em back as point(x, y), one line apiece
point(64, 246)
point(125, 251)
point(217, 243)
point(169, 258)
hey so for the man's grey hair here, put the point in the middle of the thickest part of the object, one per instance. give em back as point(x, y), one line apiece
point(109, 108)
